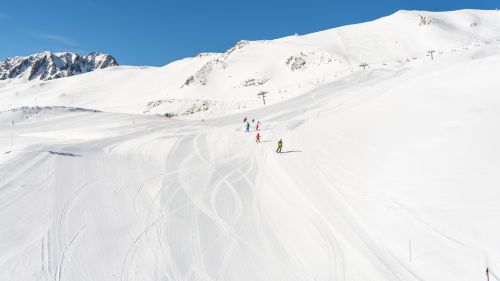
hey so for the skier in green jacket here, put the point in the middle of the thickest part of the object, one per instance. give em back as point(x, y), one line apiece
point(280, 145)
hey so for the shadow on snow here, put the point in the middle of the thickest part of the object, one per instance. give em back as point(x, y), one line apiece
point(64, 154)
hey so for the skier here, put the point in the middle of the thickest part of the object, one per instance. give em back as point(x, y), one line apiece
point(253, 120)
point(257, 126)
point(257, 138)
point(280, 145)
point(244, 120)
point(248, 126)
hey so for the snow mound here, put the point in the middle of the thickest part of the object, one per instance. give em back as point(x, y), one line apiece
point(30, 113)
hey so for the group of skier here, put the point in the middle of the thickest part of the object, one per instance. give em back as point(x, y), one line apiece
point(247, 125)
point(257, 137)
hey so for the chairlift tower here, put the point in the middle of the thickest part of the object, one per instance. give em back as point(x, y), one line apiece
point(431, 53)
point(263, 94)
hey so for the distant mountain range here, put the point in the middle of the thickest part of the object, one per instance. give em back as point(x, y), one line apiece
point(47, 66)
point(211, 84)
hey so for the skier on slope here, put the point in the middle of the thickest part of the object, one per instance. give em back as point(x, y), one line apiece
point(248, 126)
point(280, 145)
point(257, 138)
point(244, 120)
point(257, 126)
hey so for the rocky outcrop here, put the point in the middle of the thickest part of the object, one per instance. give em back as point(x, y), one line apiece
point(47, 66)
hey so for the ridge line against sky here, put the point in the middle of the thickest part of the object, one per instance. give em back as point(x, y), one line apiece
point(158, 32)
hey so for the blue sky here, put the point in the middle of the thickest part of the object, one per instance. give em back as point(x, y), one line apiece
point(157, 32)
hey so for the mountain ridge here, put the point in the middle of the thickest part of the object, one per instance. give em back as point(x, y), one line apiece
point(53, 65)
point(217, 83)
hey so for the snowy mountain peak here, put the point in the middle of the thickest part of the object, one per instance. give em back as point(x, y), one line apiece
point(47, 65)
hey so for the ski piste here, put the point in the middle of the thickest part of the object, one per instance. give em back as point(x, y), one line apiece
point(390, 173)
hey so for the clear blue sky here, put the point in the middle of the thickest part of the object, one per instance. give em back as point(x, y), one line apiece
point(157, 32)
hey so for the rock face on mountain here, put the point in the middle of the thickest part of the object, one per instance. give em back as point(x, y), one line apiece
point(47, 66)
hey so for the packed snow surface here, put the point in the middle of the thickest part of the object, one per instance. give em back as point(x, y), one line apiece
point(388, 173)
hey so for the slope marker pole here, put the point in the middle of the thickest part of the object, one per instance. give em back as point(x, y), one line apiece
point(409, 248)
point(12, 137)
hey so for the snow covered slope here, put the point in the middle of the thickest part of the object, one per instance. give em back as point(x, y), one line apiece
point(214, 84)
point(47, 66)
point(387, 174)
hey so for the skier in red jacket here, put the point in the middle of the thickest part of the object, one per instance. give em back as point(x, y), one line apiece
point(257, 138)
